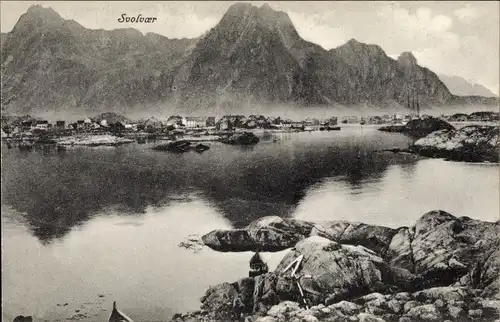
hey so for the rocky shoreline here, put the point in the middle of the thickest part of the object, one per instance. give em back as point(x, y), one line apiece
point(474, 143)
point(94, 140)
point(441, 268)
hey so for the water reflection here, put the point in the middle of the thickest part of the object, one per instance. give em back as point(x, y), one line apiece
point(58, 191)
point(133, 260)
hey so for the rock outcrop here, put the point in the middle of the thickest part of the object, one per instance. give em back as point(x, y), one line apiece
point(376, 307)
point(245, 138)
point(267, 234)
point(473, 143)
point(94, 140)
point(440, 248)
point(442, 267)
point(420, 127)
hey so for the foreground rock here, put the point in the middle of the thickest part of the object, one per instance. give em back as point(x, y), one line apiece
point(422, 126)
point(375, 307)
point(94, 140)
point(473, 143)
point(440, 249)
point(272, 297)
point(441, 268)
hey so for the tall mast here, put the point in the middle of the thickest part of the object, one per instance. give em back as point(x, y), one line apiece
point(413, 103)
point(407, 97)
point(418, 108)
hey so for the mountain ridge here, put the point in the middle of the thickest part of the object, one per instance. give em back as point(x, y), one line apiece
point(254, 55)
point(462, 87)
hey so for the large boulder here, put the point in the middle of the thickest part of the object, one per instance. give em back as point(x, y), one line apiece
point(219, 300)
point(426, 312)
point(471, 143)
point(274, 233)
point(342, 271)
point(266, 234)
point(376, 238)
point(443, 249)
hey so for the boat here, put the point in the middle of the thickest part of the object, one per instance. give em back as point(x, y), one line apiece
point(118, 316)
point(141, 140)
point(201, 148)
point(27, 146)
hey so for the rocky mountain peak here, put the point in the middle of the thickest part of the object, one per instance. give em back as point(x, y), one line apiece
point(353, 42)
point(353, 50)
point(37, 17)
point(264, 15)
point(38, 10)
point(407, 59)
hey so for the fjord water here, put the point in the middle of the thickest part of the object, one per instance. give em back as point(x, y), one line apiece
point(88, 226)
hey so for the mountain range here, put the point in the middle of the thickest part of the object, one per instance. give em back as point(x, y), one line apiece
point(460, 86)
point(254, 55)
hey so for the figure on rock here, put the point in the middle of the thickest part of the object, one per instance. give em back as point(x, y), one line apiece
point(257, 265)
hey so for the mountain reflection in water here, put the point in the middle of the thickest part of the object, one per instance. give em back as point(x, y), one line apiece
point(57, 191)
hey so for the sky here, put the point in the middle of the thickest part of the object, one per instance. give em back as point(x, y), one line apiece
point(449, 37)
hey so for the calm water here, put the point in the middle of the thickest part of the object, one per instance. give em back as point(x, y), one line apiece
point(91, 225)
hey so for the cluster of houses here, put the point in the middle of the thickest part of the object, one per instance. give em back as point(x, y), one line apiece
point(175, 122)
point(89, 124)
point(376, 119)
point(108, 122)
point(229, 122)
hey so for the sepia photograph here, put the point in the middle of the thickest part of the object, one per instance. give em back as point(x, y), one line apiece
point(250, 161)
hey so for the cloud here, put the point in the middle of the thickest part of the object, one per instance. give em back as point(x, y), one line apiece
point(421, 22)
point(468, 13)
point(312, 28)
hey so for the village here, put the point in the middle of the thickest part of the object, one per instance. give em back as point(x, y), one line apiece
point(13, 127)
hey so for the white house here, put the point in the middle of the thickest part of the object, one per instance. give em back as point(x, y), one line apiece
point(42, 125)
point(191, 122)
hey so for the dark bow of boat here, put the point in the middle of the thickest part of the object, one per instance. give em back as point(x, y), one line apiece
point(118, 316)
